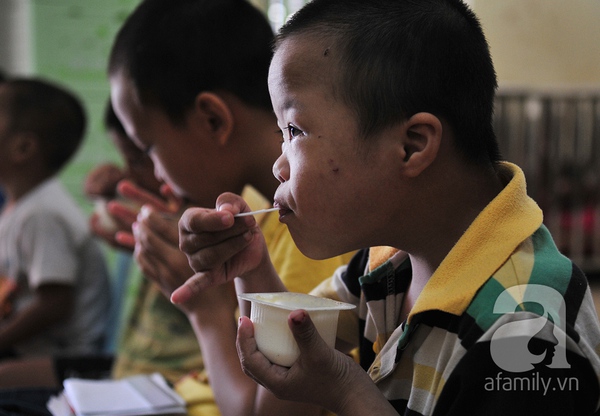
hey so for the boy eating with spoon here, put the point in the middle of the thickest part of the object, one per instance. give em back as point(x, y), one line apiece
point(386, 112)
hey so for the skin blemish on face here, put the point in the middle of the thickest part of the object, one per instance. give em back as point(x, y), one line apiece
point(334, 168)
point(326, 52)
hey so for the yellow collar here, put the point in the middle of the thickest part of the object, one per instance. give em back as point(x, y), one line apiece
point(489, 241)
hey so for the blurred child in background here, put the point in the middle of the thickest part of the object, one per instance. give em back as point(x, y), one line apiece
point(115, 214)
point(48, 256)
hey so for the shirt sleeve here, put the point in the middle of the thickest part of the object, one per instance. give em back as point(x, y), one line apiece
point(50, 251)
point(343, 286)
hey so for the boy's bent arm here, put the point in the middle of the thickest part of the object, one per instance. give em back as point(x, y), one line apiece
point(213, 319)
point(52, 304)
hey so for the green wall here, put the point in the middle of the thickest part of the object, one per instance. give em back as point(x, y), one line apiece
point(71, 42)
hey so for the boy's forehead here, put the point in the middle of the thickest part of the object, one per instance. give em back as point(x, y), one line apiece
point(123, 90)
point(302, 61)
point(126, 102)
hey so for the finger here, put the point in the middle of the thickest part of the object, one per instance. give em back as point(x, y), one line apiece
point(166, 252)
point(155, 271)
point(131, 191)
point(200, 220)
point(250, 357)
point(101, 181)
point(125, 239)
point(147, 261)
point(200, 228)
point(111, 236)
point(123, 214)
point(305, 333)
point(232, 202)
point(215, 254)
point(161, 224)
point(253, 362)
point(99, 228)
point(192, 286)
point(246, 343)
point(147, 265)
point(235, 204)
point(148, 241)
point(169, 266)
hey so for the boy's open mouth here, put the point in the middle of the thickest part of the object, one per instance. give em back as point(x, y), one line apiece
point(283, 209)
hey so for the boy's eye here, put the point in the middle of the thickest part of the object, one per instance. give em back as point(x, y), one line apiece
point(292, 131)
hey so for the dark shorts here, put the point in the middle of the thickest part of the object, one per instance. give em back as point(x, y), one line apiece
point(89, 367)
point(32, 401)
point(26, 401)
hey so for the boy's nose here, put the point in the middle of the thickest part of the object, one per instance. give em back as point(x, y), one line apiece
point(281, 169)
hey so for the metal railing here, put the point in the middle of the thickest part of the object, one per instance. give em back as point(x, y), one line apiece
point(554, 135)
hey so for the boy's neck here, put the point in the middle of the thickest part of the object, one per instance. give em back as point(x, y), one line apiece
point(465, 196)
point(21, 184)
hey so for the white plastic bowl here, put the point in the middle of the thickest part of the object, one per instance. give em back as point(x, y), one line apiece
point(269, 315)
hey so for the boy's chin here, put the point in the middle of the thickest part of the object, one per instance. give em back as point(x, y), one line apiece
point(318, 251)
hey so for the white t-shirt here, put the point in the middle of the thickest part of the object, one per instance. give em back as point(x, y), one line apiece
point(45, 238)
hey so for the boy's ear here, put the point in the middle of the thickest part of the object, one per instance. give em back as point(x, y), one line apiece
point(215, 115)
point(23, 146)
point(422, 135)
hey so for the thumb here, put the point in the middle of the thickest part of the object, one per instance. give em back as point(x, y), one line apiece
point(304, 331)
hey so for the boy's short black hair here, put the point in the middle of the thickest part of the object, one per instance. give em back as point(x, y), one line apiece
point(53, 114)
point(174, 49)
point(401, 57)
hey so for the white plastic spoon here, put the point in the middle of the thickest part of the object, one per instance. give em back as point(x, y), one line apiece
point(260, 211)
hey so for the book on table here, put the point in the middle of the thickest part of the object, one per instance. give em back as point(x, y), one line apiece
point(137, 395)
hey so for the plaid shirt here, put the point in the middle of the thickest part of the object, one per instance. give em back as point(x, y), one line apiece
point(505, 326)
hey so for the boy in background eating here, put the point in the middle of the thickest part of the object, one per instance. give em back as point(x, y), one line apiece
point(189, 84)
